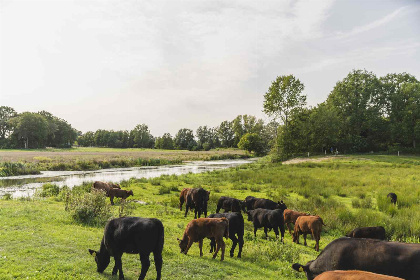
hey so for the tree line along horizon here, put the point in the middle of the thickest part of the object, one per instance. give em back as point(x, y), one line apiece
point(362, 113)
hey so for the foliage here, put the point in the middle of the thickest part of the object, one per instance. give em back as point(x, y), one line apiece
point(184, 139)
point(252, 143)
point(165, 142)
point(48, 190)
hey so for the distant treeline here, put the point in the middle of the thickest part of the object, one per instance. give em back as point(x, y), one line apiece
point(363, 113)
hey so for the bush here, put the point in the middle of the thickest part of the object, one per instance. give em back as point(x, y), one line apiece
point(48, 190)
point(88, 208)
point(167, 189)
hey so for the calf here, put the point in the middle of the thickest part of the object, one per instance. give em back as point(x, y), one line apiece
point(353, 275)
point(118, 193)
point(268, 219)
point(290, 217)
point(308, 224)
point(201, 228)
point(373, 255)
point(368, 232)
point(230, 204)
point(105, 186)
point(236, 227)
point(183, 197)
point(249, 202)
point(197, 199)
point(134, 236)
point(269, 204)
point(393, 197)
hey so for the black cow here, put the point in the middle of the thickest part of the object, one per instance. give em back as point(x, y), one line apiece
point(134, 236)
point(197, 199)
point(368, 232)
point(268, 219)
point(236, 227)
point(249, 202)
point(393, 197)
point(269, 204)
point(382, 257)
point(230, 204)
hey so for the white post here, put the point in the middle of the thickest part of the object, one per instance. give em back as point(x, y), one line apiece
point(398, 153)
point(325, 151)
point(308, 154)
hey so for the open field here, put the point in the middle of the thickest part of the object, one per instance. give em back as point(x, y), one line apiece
point(39, 239)
point(19, 162)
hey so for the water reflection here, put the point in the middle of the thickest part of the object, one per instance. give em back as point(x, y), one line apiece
point(26, 185)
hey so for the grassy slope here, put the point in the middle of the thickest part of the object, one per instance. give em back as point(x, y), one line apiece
point(39, 240)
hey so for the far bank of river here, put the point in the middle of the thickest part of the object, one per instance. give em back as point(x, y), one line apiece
point(26, 185)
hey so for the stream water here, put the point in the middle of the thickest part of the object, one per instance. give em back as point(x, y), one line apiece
point(26, 185)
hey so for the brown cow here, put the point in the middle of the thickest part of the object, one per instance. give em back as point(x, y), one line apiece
point(183, 197)
point(353, 275)
point(311, 225)
point(105, 186)
point(118, 193)
point(197, 199)
point(290, 217)
point(201, 228)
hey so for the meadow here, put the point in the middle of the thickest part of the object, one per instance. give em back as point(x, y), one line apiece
point(20, 162)
point(39, 239)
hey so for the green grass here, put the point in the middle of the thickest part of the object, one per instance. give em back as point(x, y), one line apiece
point(39, 239)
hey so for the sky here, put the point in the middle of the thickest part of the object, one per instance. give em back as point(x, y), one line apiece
point(183, 64)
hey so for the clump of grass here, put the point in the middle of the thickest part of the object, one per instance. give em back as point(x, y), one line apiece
point(17, 168)
point(48, 190)
point(126, 208)
point(7, 196)
point(163, 189)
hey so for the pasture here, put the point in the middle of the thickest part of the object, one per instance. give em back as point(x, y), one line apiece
point(39, 239)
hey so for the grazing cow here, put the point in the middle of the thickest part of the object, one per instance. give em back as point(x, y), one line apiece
point(236, 227)
point(105, 186)
point(118, 193)
point(201, 228)
point(268, 219)
point(290, 217)
point(269, 204)
point(368, 232)
point(230, 204)
point(308, 224)
point(378, 256)
point(134, 236)
point(249, 202)
point(353, 275)
point(197, 199)
point(183, 197)
point(393, 197)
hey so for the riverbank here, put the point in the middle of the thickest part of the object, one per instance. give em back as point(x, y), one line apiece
point(21, 162)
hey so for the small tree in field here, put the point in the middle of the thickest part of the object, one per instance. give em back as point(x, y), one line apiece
point(252, 142)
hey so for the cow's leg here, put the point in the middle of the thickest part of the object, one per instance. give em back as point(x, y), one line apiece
point(118, 266)
point(255, 231)
point(212, 245)
point(186, 209)
point(276, 231)
point(111, 198)
point(289, 226)
point(181, 201)
point(145, 264)
point(265, 231)
point(218, 207)
point(234, 242)
point(190, 242)
point(195, 213)
point(297, 237)
point(157, 256)
point(282, 230)
point(304, 238)
point(217, 248)
point(200, 245)
point(241, 244)
point(223, 249)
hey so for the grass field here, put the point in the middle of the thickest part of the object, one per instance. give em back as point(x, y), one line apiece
point(20, 162)
point(40, 240)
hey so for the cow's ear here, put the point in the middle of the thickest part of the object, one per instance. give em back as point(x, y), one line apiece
point(299, 267)
point(92, 252)
point(179, 241)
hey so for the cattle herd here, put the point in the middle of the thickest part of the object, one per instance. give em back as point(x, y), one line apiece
point(363, 254)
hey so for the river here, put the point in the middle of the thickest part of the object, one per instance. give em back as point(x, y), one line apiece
point(26, 185)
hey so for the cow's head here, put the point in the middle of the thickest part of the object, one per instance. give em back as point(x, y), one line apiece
point(281, 205)
point(304, 268)
point(250, 215)
point(101, 259)
point(243, 206)
point(115, 186)
point(183, 244)
point(130, 192)
point(295, 235)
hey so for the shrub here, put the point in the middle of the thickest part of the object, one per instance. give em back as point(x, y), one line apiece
point(7, 196)
point(167, 189)
point(126, 208)
point(49, 190)
point(88, 208)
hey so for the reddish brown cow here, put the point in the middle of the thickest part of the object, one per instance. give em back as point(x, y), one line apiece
point(118, 193)
point(290, 217)
point(353, 275)
point(311, 225)
point(201, 228)
point(105, 186)
point(183, 197)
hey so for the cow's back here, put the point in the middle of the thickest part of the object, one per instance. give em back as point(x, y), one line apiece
point(383, 257)
point(206, 227)
point(354, 275)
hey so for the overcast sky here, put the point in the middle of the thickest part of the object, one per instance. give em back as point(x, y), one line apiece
point(182, 64)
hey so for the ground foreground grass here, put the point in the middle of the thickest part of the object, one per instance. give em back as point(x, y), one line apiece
point(40, 240)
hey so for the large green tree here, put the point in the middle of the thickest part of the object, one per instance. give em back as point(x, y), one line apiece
point(165, 142)
point(184, 139)
point(30, 130)
point(142, 138)
point(6, 113)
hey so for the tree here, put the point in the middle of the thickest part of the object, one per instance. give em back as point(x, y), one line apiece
point(30, 130)
point(165, 142)
point(6, 113)
point(226, 134)
point(283, 96)
point(142, 138)
point(251, 142)
point(184, 139)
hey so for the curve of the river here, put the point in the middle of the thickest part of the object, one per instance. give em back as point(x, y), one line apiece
point(26, 185)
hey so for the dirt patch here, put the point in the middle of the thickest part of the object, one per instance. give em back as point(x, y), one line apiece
point(300, 160)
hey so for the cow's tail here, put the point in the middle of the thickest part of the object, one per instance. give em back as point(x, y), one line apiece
point(161, 238)
point(226, 233)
